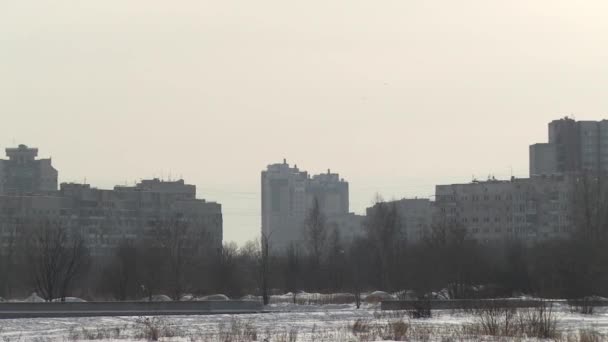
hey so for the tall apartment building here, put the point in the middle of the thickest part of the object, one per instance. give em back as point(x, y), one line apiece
point(287, 196)
point(529, 209)
point(22, 173)
point(574, 146)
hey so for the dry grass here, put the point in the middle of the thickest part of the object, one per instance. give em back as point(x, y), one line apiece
point(584, 335)
point(491, 324)
point(154, 328)
point(583, 306)
point(91, 334)
point(237, 331)
point(316, 299)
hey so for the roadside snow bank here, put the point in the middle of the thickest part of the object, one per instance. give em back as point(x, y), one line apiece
point(378, 296)
point(70, 300)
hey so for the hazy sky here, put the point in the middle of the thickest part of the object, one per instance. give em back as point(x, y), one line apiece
point(396, 96)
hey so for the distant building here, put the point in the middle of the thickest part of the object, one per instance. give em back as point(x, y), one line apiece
point(530, 209)
point(415, 218)
point(284, 204)
point(23, 174)
point(176, 188)
point(106, 218)
point(349, 226)
point(573, 147)
point(330, 191)
point(543, 159)
point(287, 196)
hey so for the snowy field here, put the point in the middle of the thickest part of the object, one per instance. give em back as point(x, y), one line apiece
point(284, 322)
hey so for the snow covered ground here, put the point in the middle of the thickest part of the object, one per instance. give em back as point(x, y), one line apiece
point(284, 322)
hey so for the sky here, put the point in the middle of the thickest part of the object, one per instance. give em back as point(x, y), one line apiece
point(396, 96)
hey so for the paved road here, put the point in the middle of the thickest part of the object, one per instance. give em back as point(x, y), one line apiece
point(94, 309)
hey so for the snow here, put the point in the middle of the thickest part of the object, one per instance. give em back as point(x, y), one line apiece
point(157, 298)
point(378, 296)
point(70, 300)
point(34, 298)
point(215, 297)
point(330, 322)
point(190, 297)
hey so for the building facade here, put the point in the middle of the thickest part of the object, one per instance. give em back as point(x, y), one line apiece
point(23, 174)
point(287, 196)
point(573, 147)
point(107, 218)
point(104, 218)
point(530, 209)
point(415, 218)
point(416, 215)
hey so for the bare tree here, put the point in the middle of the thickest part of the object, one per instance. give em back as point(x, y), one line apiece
point(7, 261)
point(151, 266)
point(57, 257)
point(264, 262)
point(226, 270)
point(336, 261)
point(584, 264)
point(178, 242)
point(589, 202)
point(292, 271)
point(357, 256)
point(382, 227)
point(315, 233)
point(120, 275)
point(248, 266)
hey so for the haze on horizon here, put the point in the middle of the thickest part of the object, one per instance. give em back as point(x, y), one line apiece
point(396, 96)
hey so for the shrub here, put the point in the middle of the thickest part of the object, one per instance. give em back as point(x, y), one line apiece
point(494, 320)
point(589, 336)
point(538, 322)
point(237, 331)
point(422, 309)
point(583, 306)
point(360, 326)
point(398, 330)
point(152, 329)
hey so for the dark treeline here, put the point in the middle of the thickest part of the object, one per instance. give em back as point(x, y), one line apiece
point(175, 260)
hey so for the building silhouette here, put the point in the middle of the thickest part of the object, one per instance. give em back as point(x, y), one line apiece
point(22, 173)
point(573, 147)
point(527, 209)
point(287, 196)
point(104, 218)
